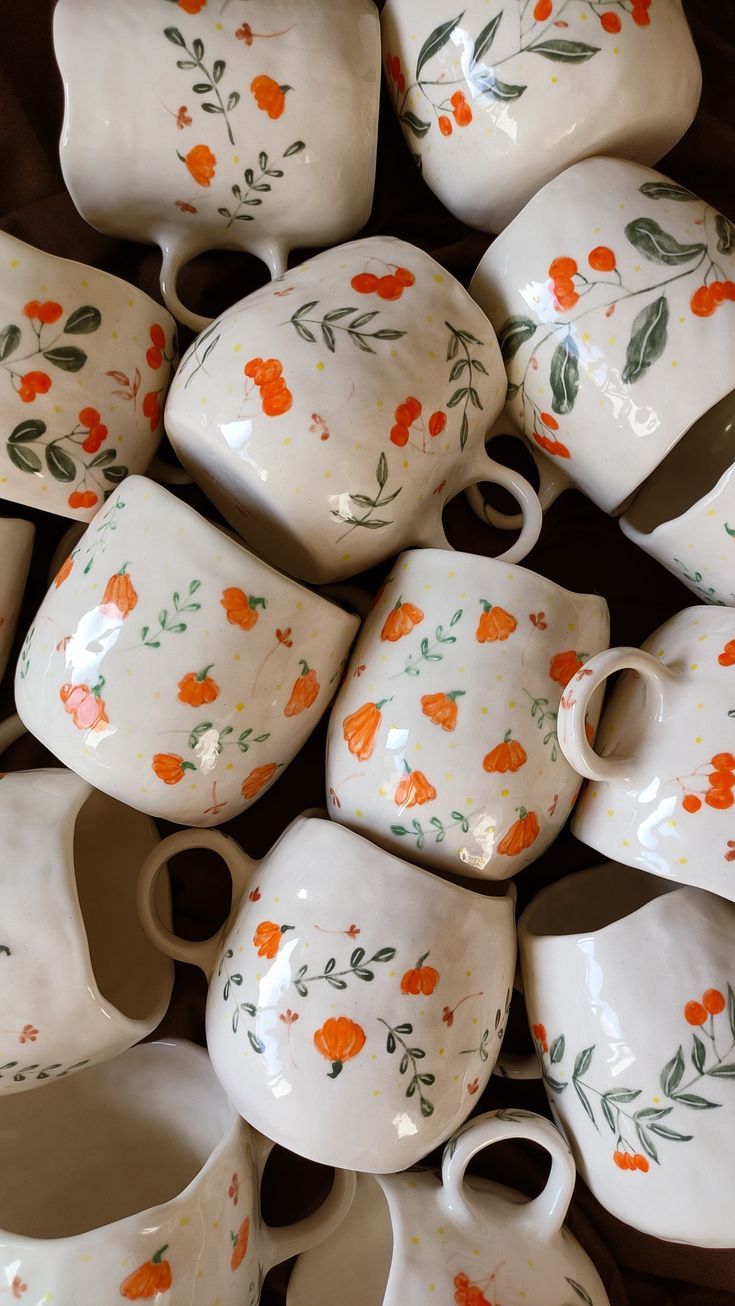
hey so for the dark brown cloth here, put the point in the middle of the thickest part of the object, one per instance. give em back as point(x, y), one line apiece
point(580, 547)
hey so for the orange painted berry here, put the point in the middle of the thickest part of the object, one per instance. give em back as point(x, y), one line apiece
point(399, 435)
point(713, 1001)
point(365, 283)
point(445, 125)
point(610, 22)
point(389, 287)
point(702, 303)
point(695, 1013)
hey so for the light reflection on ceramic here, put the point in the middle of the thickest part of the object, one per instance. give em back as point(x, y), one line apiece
point(331, 415)
point(185, 687)
point(16, 546)
point(79, 981)
point(499, 98)
point(660, 793)
point(630, 992)
point(137, 1180)
point(613, 296)
point(442, 740)
point(356, 1003)
point(210, 132)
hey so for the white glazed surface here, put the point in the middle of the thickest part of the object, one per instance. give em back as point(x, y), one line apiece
point(16, 546)
point(540, 94)
point(182, 688)
point(352, 1038)
point(419, 751)
point(301, 165)
point(613, 978)
point(626, 367)
point(322, 478)
point(97, 351)
point(79, 981)
point(663, 798)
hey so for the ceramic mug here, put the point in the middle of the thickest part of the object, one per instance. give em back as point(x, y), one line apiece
point(629, 990)
point(16, 547)
point(442, 740)
point(499, 99)
point(85, 361)
point(214, 133)
point(152, 1191)
point(79, 980)
point(611, 294)
point(460, 1237)
point(662, 780)
point(356, 1003)
point(183, 688)
point(331, 415)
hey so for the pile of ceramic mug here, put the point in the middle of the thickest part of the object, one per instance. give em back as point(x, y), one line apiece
point(359, 991)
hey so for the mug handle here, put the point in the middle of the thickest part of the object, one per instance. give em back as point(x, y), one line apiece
point(659, 680)
point(280, 1243)
point(542, 1217)
point(553, 481)
point(431, 533)
point(241, 868)
point(173, 258)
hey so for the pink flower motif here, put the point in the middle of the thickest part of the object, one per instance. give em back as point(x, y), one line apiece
point(18, 1287)
point(234, 1189)
point(28, 1034)
point(448, 1016)
point(352, 932)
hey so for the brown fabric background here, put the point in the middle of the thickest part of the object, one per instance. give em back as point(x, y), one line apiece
point(580, 548)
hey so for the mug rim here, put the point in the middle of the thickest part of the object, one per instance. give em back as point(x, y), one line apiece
point(532, 577)
point(640, 536)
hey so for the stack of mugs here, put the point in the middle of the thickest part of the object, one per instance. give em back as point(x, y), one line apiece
point(359, 990)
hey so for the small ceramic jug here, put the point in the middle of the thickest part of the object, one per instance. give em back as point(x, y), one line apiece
point(16, 546)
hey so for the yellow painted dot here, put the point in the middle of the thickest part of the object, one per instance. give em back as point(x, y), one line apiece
point(611, 811)
point(287, 441)
point(554, 80)
point(184, 1221)
point(13, 262)
point(320, 367)
point(415, 1240)
point(504, 793)
point(511, 703)
point(359, 812)
point(438, 278)
point(698, 739)
point(483, 711)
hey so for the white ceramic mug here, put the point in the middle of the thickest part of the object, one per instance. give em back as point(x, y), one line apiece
point(463, 1238)
point(356, 1003)
point(498, 99)
point(79, 980)
point(140, 1182)
point(629, 989)
point(211, 132)
point(183, 688)
point(661, 782)
point(442, 740)
point(612, 297)
point(331, 415)
point(16, 547)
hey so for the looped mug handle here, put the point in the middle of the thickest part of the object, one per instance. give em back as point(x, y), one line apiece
point(542, 1217)
point(277, 1244)
point(659, 680)
point(483, 468)
point(553, 481)
point(174, 256)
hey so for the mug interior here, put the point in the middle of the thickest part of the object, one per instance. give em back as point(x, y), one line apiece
point(591, 900)
point(114, 1140)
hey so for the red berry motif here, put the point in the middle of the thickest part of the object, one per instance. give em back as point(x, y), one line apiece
point(32, 384)
point(610, 21)
point(706, 299)
point(390, 286)
point(562, 271)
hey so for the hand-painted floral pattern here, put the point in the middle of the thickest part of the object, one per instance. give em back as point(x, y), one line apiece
point(339, 1040)
point(19, 1073)
point(719, 776)
point(151, 1279)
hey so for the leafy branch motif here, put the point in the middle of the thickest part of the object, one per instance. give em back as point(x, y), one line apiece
point(429, 652)
point(170, 623)
point(546, 719)
point(64, 464)
point(67, 358)
point(244, 740)
point(696, 578)
point(234, 980)
point(359, 968)
point(410, 1056)
point(204, 339)
point(480, 1050)
point(108, 524)
point(333, 321)
point(19, 1074)
point(369, 503)
point(466, 393)
point(212, 77)
point(437, 829)
point(255, 186)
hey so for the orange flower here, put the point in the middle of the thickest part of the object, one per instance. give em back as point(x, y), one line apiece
point(521, 834)
point(422, 979)
point(727, 656)
point(197, 688)
point(539, 1033)
point(258, 779)
point(84, 705)
point(64, 572)
point(241, 610)
point(507, 756)
point(413, 788)
point(120, 591)
point(267, 937)
point(170, 768)
point(201, 163)
point(339, 1039)
point(494, 624)
point(150, 1278)
point(442, 708)
point(360, 728)
point(269, 96)
point(240, 1244)
point(565, 665)
point(401, 621)
point(305, 691)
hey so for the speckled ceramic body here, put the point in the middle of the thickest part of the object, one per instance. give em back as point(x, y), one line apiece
point(16, 546)
point(442, 740)
point(79, 981)
point(410, 1238)
point(85, 360)
point(611, 347)
point(356, 1003)
point(141, 1183)
point(185, 687)
point(629, 989)
point(330, 424)
point(661, 783)
point(257, 135)
point(497, 100)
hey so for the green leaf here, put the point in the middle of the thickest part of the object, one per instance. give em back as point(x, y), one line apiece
point(338, 313)
point(585, 1101)
point(9, 341)
point(514, 333)
point(699, 1054)
point(648, 337)
point(556, 1051)
point(26, 460)
point(381, 472)
point(583, 1062)
point(608, 1112)
point(329, 338)
point(564, 377)
point(694, 1101)
point(662, 1131)
point(659, 246)
point(83, 321)
point(296, 148)
point(665, 190)
point(417, 125)
point(218, 69)
point(436, 42)
point(646, 1143)
point(202, 88)
point(672, 1073)
point(304, 332)
point(255, 1043)
point(198, 48)
point(103, 459)
point(564, 51)
point(723, 1072)
point(208, 107)
point(486, 38)
point(26, 432)
point(731, 1007)
point(66, 357)
point(173, 35)
point(233, 100)
point(553, 1084)
point(725, 234)
point(60, 465)
point(580, 1291)
point(497, 89)
point(623, 1094)
point(115, 474)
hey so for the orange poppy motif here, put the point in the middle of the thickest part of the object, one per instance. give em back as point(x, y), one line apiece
point(565, 665)
point(258, 779)
point(421, 979)
point(506, 756)
point(442, 708)
point(240, 1244)
point(120, 592)
point(539, 1033)
point(467, 1293)
point(64, 572)
point(339, 1040)
point(197, 688)
point(269, 96)
point(201, 163)
point(401, 621)
point(170, 768)
point(150, 1279)
point(305, 691)
point(275, 396)
point(727, 656)
point(494, 624)
point(85, 706)
point(521, 834)
point(413, 788)
point(360, 728)
point(241, 609)
point(267, 938)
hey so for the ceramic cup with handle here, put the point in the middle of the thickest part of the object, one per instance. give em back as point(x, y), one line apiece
point(85, 361)
point(631, 998)
point(661, 783)
point(413, 1238)
point(442, 740)
point(496, 100)
point(173, 669)
point(140, 1182)
point(613, 297)
point(211, 132)
point(79, 980)
point(332, 414)
point(16, 546)
point(356, 1003)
